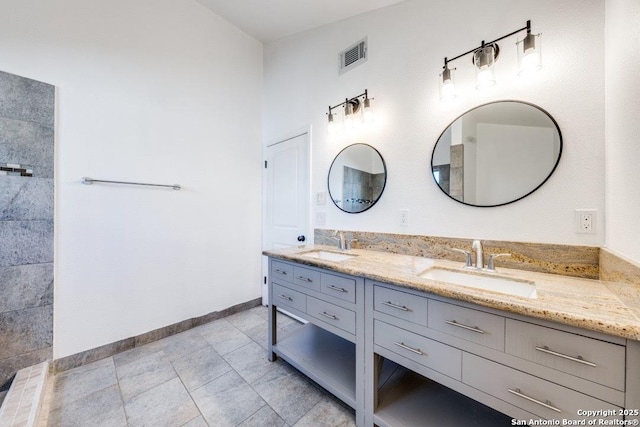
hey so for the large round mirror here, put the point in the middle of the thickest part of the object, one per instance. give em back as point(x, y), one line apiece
point(496, 153)
point(357, 178)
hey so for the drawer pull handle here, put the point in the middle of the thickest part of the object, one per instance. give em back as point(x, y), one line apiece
point(330, 316)
point(277, 270)
point(286, 297)
point(335, 288)
point(578, 359)
point(460, 325)
point(546, 404)
point(306, 279)
point(406, 347)
point(399, 307)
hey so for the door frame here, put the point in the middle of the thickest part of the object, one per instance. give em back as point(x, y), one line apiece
point(310, 238)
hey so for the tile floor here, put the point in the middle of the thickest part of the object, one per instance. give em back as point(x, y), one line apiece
point(213, 375)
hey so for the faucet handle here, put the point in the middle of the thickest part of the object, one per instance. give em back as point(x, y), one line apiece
point(349, 242)
point(467, 255)
point(491, 264)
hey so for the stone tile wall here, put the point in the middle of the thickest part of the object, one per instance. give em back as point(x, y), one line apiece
point(26, 224)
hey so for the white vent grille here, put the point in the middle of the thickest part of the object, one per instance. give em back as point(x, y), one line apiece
point(353, 56)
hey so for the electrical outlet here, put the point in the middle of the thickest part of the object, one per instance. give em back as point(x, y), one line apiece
point(321, 198)
point(404, 217)
point(585, 221)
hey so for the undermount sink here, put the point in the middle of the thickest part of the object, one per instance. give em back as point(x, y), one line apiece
point(479, 280)
point(328, 256)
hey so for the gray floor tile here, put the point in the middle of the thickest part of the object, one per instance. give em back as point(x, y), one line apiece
point(288, 392)
point(76, 383)
point(144, 374)
point(245, 320)
point(197, 369)
point(223, 336)
point(182, 344)
point(137, 353)
point(265, 417)
point(328, 413)
point(259, 334)
point(196, 422)
point(168, 404)
point(102, 408)
point(250, 361)
point(227, 400)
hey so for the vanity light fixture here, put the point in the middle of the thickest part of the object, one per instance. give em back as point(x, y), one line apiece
point(484, 58)
point(356, 108)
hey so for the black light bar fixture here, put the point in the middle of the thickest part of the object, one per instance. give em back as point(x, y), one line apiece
point(359, 105)
point(484, 58)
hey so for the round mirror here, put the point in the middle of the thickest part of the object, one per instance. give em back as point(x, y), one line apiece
point(357, 178)
point(496, 153)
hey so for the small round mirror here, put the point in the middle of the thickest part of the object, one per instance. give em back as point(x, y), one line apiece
point(496, 153)
point(357, 178)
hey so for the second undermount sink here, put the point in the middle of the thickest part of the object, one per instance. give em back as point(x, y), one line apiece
point(328, 256)
point(479, 280)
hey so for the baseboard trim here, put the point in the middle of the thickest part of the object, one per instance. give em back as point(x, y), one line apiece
point(107, 350)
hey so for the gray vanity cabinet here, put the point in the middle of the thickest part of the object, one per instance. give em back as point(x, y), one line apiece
point(402, 357)
point(329, 349)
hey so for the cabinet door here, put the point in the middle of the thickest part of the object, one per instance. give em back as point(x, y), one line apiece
point(587, 358)
point(401, 305)
point(535, 395)
point(472, 325)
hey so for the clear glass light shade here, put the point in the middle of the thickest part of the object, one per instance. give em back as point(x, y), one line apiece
point(367, 111)
point(348, 116)
point(484, 59)
point(331, 124)
point(447, 85)
point(529, 54)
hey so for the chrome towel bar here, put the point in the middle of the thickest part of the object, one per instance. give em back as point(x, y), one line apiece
point(89, 181)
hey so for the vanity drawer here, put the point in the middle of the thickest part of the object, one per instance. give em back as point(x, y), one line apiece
point(332, 314)
point(427, 352)
point(525, 391)
point(306, 277)
point(284, 296)
point(401, 305)
point(339, 287)
point(281, 270)
point(587, 358)
point(471, 325)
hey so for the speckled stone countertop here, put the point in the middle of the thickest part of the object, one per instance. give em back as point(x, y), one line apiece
point(608, 307)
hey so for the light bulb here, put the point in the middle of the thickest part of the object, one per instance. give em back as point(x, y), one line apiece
point(485, 78)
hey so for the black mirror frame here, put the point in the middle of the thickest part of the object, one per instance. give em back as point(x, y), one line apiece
point(519, 198)
point(384, 184)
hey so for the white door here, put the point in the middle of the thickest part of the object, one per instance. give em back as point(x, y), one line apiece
point(287, 221)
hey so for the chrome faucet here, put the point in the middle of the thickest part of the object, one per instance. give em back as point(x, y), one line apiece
point(344, 244)
point(477, 246)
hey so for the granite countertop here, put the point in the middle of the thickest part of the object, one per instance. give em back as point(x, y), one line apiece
point(608, 307)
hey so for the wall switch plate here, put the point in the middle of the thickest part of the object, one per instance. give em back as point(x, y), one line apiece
point(404, 217)
point(321, 198)
point(321, 218)
point(585, 221)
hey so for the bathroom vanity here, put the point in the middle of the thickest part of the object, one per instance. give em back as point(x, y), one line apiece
point(402, 346)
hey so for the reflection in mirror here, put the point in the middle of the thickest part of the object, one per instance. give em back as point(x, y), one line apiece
point(357, 178)
point(496, 153)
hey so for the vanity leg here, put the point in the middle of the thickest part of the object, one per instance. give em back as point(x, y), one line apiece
point(632, 396)
point(271, 329)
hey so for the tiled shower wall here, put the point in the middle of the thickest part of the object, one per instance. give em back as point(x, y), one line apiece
point(26, 223)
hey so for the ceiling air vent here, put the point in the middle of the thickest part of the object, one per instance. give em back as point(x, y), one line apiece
point(353, 56)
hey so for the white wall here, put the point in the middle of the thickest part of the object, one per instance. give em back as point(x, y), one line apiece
point(407, 44)
point(159, 91)
point(622, 91)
